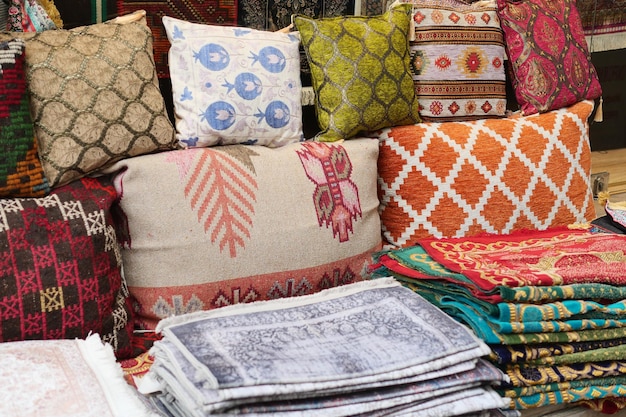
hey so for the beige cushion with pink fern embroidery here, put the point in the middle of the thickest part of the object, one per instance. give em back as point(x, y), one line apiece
point(208, 227)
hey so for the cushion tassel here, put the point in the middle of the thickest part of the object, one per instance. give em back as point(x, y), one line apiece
point(599, 117)
point(603, 198)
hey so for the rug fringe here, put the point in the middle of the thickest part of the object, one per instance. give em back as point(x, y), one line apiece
point(121, 397)
point(606, 41)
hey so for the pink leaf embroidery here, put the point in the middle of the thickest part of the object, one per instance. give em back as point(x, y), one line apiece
point(222, 191)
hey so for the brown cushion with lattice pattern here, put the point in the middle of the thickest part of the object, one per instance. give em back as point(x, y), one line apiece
point(95, 97)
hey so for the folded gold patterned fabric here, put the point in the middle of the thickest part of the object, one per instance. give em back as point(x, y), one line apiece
point(524, 376)
point(508, 354)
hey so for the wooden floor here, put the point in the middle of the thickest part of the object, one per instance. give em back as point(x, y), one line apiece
point(613, 162)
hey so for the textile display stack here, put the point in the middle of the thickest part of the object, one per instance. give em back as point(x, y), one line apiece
point(550, 305)
point(372, 348)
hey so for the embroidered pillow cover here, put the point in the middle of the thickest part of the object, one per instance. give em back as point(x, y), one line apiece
point(360, 72)
point(457, 60)
point(234, 85)
point(61, 267)
point(95, 97)
point(456, 179)
point(21, 174)
point(548, 55)
point(215, 212)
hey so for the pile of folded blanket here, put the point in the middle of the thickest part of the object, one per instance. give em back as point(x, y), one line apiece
point(550, 304)
point(370, 348)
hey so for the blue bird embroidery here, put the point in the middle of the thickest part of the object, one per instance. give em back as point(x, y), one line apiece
point(186, 95)
point(241, 32)
point(177, 33)
point(191, 142)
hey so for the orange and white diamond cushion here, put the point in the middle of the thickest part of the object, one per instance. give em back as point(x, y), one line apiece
point(455, 179)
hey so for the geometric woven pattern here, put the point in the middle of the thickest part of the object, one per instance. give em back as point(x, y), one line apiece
point(456, 179)
point(360, 70)
point(548, 55)
point(60, 267)
point(272, 15)
point(457, 59)
point(95, 97)
point(604, 23)
point(21, 174)
point(215, 12)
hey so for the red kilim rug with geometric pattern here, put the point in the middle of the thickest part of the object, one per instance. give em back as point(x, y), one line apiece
point(214, 12)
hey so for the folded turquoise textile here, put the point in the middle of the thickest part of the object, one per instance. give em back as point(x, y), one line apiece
point(568, 396)
point(580, 309)
point(534, 294)
point(491, 330)
point(513, 392)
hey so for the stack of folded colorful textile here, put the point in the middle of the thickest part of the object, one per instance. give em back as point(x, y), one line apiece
point(550, 304)
point(371, 348)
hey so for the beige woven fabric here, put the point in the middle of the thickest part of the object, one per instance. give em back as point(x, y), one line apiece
point(209, 227)
point(95, 97)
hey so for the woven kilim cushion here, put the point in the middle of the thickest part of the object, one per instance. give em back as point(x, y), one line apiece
point(21, 174)
point(457, 59)
point(360, 72)
point(246, 223)
point(216, 12)
point(550, 63)
point(60, 267)
point(95, 97)
point(456, 179)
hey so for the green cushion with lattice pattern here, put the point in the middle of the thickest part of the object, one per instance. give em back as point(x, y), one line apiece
point(360, 70)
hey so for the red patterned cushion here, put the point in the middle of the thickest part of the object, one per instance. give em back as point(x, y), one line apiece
point(21, 173)
point(549, 59)
point(60, 267)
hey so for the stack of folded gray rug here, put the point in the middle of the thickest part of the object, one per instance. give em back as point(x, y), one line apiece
point(371, 348)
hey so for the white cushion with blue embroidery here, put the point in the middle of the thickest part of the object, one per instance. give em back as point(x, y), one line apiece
point(234, 85)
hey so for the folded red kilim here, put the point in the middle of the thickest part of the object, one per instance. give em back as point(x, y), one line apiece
point(535, 258)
